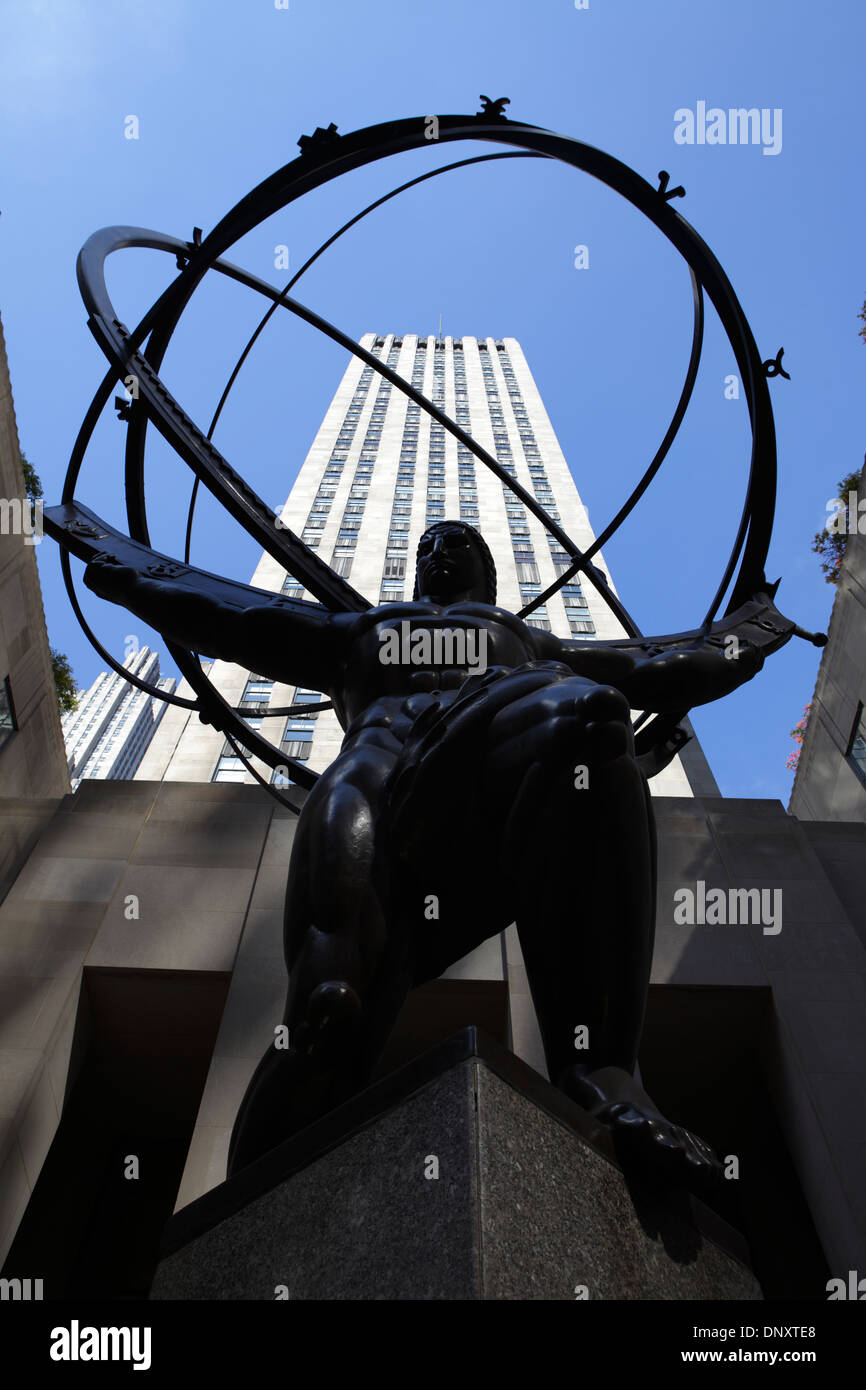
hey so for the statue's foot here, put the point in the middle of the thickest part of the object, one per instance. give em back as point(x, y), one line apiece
point(645, 1141)
point(288, 1092)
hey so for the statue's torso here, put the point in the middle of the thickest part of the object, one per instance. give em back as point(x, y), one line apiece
point(391, 675)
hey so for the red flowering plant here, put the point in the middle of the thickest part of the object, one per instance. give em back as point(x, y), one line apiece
point(797, 734)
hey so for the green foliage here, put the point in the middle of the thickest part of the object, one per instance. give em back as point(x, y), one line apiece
point(64, 682)
point(831, 544)
point(32, 485)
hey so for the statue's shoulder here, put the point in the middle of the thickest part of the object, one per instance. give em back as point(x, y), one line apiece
point(480, 610)
point(388, 613)
point(487, 613)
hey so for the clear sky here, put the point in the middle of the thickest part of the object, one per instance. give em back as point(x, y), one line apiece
point(222, 89)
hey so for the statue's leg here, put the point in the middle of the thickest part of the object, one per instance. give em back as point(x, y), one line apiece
point(348, 975)
point(579, 847)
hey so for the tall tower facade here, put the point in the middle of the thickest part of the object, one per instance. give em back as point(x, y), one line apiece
point(379, 472)
point(107, 734)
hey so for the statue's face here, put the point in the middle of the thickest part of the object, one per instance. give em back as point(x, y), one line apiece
point(450, 564)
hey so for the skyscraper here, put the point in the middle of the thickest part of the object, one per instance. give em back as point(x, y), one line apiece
point(108, 733)
point(378, 473)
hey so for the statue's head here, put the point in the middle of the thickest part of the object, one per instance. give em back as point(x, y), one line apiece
point(453, 561)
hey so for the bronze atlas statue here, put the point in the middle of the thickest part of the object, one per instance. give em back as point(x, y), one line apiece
point(508, 789)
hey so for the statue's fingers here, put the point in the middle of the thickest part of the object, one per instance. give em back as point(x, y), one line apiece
point(107, 579)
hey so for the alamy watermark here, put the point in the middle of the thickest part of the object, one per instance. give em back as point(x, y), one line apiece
point(700, 906)
point(846, 516)
point(19, 516)
point(854, 1288)
point(458, 646)
point(77, 1343)
point(739, 125)
point(21, 1290)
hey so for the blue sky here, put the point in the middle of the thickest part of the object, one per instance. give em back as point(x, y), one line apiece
point(223, 89)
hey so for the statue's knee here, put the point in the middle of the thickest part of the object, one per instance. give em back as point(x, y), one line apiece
point(332, 1015)
point(608, 703)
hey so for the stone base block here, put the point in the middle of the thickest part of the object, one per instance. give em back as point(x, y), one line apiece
point(462, 1176)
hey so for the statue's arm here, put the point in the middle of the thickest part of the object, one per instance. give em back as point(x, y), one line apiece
point(292, 642)
point(676, 679)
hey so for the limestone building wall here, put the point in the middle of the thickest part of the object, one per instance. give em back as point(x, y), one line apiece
point(33, 758)
point(827, 784)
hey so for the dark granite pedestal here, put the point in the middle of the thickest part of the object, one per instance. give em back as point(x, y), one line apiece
point(462, 1176)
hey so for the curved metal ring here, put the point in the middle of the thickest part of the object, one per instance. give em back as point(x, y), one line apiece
point(319, 165)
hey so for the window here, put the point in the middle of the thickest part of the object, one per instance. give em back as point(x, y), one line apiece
point(298, 737)
point(395, 567)
point(342, 564)
point(580, 625)
point(282, 778)
point(527, 572)
point(258, 689)
point(7, 713)
point(297, 728)
point(856, 754)
point(229, 769)
point(307, 720)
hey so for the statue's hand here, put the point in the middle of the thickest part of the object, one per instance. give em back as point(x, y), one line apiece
point(736, 661)
point(751, 656)
point(109, 578)
point(697, 675)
